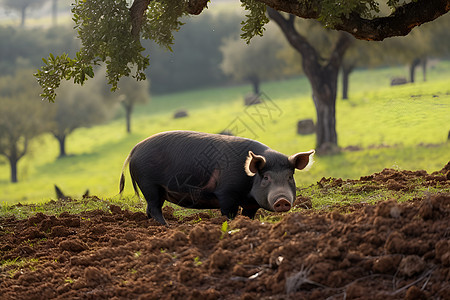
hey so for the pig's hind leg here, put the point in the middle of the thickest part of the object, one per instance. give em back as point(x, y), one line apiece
point(153, 194)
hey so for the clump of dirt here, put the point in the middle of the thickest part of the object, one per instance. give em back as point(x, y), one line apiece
point(389, 250)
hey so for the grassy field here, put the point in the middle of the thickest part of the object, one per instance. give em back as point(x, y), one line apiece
point(403, 127)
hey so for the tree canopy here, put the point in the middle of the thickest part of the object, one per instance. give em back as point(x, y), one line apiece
point(255, 62)
point(110, 31)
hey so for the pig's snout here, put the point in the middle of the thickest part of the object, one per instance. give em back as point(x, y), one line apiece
point(282, 205)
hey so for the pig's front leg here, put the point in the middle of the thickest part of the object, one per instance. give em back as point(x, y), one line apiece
point(228, 204)
point(249, 212)
point(249, 207)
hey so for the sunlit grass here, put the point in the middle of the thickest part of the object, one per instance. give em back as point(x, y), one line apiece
point(410, 120)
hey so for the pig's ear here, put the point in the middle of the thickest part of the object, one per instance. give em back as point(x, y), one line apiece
point(302, 160)
point(253, 163)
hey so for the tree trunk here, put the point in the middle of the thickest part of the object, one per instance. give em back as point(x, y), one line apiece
point(54, 11)
point(326, 135)
point(323, 79)
point(412, 69)
point(346, 71)
point(13, 163)
point(128, 113)
point(22, 17)
point(254, 80)
point(62, 145)
point(14, 155)
point(128, 106)
point(424, 68)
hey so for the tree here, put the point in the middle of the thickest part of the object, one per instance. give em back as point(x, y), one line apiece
point(54, 12)
point(77, 107)
point(196, 50)
point(21, 117)
point(321, 74)
point(360, 54)
point(130, 93)
point(253, 62)
point(110, 31)
point(431, 40)
point(24, 48)
point(22, 6)
point(323, 41)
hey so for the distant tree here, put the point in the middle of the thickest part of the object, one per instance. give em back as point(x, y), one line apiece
point(254, 62)
point(21, 6)
point(54, 12)
point(130, 93)
point(195, 57)
point(21, 117)
point(363, 54)
point(430, 40)
point(24, 48)
point(77, 107)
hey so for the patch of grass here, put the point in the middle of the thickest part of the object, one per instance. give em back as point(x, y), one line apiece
point(337, 193)
point(73, 206)
point(12, 266)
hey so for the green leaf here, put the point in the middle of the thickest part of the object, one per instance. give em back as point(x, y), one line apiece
point(224, 227)
point(256, 19)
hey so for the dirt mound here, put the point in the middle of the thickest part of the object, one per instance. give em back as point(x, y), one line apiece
point(389, 250)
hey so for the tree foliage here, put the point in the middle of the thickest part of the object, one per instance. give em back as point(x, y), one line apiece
point(78, 107)
point(110, 31)
point(24, 48)
point(254, 62)
point(196, 51)
point(129, 93)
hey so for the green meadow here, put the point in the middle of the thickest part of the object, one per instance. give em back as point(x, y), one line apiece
point(401, 127)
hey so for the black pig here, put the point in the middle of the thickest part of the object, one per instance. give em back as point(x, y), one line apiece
point(202, 170)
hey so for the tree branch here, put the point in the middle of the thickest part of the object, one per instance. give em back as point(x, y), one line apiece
point(298, 41)
point(344, 41)
point(195, 7)
point(400, 23)
point(137, 11)
point(24, 150)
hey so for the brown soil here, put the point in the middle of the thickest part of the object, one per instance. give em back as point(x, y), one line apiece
point(385, 251)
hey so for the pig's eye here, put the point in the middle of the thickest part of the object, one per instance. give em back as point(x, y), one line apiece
point(266, 177)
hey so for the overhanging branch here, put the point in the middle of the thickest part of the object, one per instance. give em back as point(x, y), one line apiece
point(137, 12)
point(399, 23)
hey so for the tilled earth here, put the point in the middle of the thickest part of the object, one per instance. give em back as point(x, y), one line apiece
point(389, 250)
